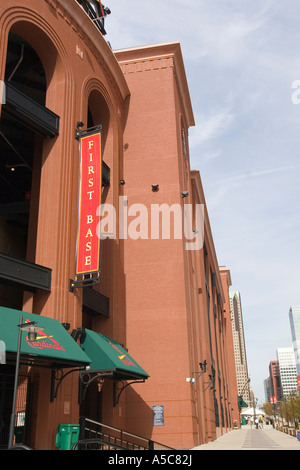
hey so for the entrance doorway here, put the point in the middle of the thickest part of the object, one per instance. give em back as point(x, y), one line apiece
point(92, 403)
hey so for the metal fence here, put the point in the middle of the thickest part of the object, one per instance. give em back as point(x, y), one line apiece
point(6, 393)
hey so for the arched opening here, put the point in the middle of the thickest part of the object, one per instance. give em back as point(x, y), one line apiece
point(21, 144)
point(20, 148)
point(98, 114)
point(24, 69)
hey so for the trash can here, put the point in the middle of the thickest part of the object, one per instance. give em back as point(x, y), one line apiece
point(66, 436)
point(19, 431)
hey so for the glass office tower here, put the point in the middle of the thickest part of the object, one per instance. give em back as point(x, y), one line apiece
point(294, 315)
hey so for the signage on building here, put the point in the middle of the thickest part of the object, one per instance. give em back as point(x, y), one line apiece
point(273, 400)
point(90, 183)
point(158, 415)
point(123, 357)
point(44, 341)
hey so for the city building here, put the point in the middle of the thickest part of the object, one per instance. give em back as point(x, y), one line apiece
point(287, 370)
point(294, 316)
point(239, 346)
point(105, 243)
point(267, 389)
point(233, 390)
point(275, 383)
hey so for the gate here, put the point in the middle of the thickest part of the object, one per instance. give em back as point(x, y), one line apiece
point(23, 405)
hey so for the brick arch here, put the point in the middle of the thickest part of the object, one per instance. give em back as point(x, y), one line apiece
point(30, 25)
point(52, 54)
point(96, 99)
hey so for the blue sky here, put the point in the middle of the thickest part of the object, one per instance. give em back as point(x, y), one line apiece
point(241, 58)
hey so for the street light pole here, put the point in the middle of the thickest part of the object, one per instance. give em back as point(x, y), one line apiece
point(13, 412)
point(292, 405)
point(29, 326)
point(254, 408)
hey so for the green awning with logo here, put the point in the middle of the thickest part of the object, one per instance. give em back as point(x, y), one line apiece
point(107, 355)
point(53, 346)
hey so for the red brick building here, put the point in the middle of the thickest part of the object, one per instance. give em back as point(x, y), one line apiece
point(275, 383)
point(156, 307)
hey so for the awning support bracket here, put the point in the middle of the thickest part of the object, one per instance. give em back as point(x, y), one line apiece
point(90, 377)
point(55, 386)
point(87, 377)
point(116, 395)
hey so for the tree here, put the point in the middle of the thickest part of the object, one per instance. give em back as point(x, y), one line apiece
point(291, 409)
point(268, 409)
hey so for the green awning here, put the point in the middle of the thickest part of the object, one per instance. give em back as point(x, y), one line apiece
point(107, 355)
point(241, 402)
point(53, 346)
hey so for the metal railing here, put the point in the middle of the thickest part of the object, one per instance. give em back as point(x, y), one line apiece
point(107, 436)
point(88, 8)
point(95, 444)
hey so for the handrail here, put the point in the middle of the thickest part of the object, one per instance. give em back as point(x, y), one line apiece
point(109, 433)
point(116, 429)
point(96, 441)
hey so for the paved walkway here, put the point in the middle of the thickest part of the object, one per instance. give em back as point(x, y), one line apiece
point(253, 439)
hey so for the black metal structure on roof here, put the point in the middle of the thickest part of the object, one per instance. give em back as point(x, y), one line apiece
point(92, 8)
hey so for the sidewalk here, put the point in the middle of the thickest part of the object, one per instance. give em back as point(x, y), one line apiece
point(253, 439)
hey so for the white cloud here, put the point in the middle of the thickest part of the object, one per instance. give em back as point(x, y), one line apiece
point(210, 127)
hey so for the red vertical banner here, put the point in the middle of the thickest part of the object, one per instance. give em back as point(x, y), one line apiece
point(90, 183)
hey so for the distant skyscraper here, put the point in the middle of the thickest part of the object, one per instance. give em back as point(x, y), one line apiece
point(287, 370)
point(267, 388)
point(275, 384)
point(239, 345)
point(294, 315)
